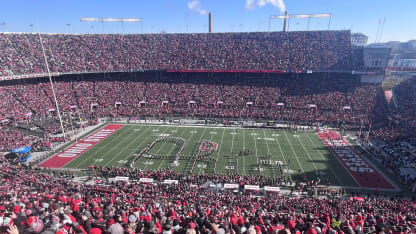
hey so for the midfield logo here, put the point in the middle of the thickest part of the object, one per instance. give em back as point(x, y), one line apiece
point(208, 146)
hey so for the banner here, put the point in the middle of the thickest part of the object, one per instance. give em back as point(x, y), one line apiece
point(146, 180)
point(251, 187)
point(170, 181)
point(271, 189)
point(121, 178)
point(231, 186)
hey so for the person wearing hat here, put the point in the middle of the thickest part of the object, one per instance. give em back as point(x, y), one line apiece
point(114, 227)
point(34, 225)
point(95, 230)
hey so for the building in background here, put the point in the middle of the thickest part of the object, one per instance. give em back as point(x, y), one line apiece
point(376, 56)
point(358, 39)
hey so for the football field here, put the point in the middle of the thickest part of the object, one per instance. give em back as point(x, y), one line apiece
point(298, 155)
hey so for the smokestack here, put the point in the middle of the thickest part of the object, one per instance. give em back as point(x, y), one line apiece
point(210, 22)
point(285, 22)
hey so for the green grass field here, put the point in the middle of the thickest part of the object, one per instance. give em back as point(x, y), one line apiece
point(298, 153)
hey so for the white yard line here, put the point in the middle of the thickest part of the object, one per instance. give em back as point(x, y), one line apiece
point(95, 153)
point(157, 152)
point(171, 149)
point(244, 148)
point(284, 158)
point(307, 153)
point(133, 141)
point(232, 147)
point(219, 151)
point(145, 140)
point(322, 156)
point(267, 144)
point(199, 141)
point(268, 151)
point(281, 151)
point(255, 145)
point(203, 169)
point(293, 150)
point(244, 140)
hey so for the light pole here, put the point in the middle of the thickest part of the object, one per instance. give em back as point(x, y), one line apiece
point(69, 26)
point(50, 80)
point(122, 20)
point(286, 18)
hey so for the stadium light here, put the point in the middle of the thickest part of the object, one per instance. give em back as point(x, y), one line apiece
point(122, 20)
point(286, 17)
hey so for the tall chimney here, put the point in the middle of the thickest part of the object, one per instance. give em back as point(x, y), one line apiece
point(285, 22)
point(210, 22)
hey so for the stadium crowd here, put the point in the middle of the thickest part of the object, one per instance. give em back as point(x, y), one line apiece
point(296, 51)
point(403, 119)
point(305, 98)
point(33, 201)
point(397, 150)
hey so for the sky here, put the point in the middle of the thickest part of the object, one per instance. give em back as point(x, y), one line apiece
point(190, 16)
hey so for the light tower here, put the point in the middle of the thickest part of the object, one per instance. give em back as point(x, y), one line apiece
point(286, 19)
point(122, 20)
point(210, 22)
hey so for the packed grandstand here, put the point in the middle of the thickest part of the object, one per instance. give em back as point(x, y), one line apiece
point(290, 78)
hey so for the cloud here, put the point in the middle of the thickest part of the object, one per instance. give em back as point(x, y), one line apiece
point(250, 4)
point(195, 5)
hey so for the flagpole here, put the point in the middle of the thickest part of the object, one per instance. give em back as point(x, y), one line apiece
point(50, 80)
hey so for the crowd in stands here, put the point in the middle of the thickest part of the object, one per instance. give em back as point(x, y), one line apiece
point(398, 157)
point(32, 201)
point(295, 51)
point(305, 98)
point(403, 119)
point(397, 151)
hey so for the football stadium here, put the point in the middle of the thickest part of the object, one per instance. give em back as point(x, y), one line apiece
point(291, 130)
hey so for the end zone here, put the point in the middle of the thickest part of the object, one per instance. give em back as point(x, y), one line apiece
point(75, 150)
point(363, 173)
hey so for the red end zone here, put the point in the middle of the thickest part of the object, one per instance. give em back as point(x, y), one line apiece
point(75, 150)
point(363, 172)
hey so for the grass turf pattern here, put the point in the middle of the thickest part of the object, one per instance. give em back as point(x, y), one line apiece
point(301, 154)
